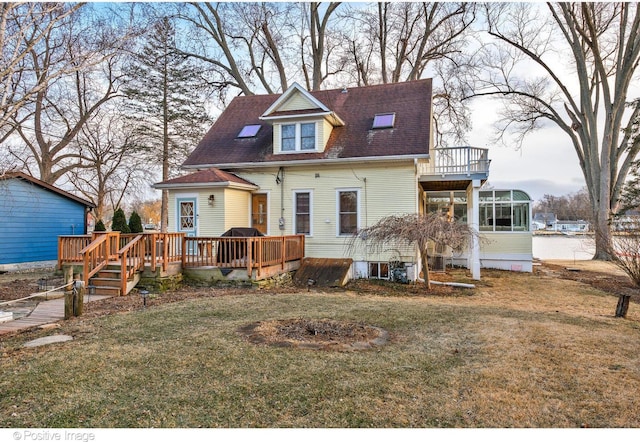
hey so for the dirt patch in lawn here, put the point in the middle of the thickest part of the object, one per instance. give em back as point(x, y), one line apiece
point(315, 334)
point(602, 275)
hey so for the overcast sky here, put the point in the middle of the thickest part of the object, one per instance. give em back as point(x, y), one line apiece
point(546, 164)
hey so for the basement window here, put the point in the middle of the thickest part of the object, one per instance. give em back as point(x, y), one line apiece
point(384, 121)
point(379, 270)
point(249, 131)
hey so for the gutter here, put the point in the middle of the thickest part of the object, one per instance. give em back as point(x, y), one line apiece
point(255, 165)
point(226, 184)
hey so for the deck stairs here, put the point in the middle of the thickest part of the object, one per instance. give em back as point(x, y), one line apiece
point(109, 280)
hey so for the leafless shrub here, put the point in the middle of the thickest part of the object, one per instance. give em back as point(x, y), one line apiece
point(625, 253)
point(418, 230)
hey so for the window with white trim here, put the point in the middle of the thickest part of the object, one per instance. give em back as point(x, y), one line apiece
point(288, 137)
point(302, 200)
point(379, 270)
point(348, 213)
point(504, 211)
point(298, 137)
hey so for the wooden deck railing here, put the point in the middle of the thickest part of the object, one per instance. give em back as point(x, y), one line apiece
point(133, 251)
point(241, 252)
point(69, 248)
point(98, 254)
point(132, 260)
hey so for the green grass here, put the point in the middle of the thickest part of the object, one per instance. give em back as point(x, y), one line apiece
point(451, 362)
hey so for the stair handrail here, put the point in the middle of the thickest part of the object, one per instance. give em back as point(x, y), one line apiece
point(132, 262)
point(96, 255)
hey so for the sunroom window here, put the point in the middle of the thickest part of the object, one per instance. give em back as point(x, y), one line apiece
point(504, 211)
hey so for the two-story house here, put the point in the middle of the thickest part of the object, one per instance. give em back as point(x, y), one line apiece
point(327, 163)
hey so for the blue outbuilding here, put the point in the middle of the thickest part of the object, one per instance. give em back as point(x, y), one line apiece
point(32, 216)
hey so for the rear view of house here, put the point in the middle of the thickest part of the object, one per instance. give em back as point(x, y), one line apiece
point(32, 216)
point(325, 164)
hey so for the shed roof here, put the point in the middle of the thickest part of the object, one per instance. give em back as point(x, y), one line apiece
point(210, 176)
point(23, 176)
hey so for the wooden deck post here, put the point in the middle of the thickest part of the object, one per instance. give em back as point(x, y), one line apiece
point(153, 252)
point(249, 252)
point(283, 251)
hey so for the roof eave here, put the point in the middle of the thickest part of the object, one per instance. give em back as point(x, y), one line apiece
point(225, 184)
point(248, 165)
point(285, 95)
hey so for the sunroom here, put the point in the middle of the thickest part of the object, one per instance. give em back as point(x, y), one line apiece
point(504, 226)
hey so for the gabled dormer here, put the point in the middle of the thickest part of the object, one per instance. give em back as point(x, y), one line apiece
point(301, 123)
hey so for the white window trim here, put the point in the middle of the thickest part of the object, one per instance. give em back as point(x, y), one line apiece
point(293, 223)
point(359, 212)
point(298, 137)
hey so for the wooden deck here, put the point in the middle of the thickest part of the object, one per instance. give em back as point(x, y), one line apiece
point(46, 312)
point(260, 257)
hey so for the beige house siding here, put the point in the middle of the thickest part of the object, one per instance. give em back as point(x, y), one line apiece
point(297, 101)
point(237, 207)
point(383, 190)
point(495, 243)
point(324, 132)
point(210, 218)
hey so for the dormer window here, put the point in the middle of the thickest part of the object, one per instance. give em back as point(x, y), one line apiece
point(384, 121)
point(249, 131)
point(298, 137)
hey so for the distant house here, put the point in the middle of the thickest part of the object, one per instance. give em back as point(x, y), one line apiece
point(32, 216)
point(544, 221)
point(325, 164)
point(571, 226)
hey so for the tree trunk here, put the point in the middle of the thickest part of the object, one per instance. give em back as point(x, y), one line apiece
point(603, 237)
point(623, 306)
point(425, 270)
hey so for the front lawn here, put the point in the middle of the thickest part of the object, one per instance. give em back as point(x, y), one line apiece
point(521, 350)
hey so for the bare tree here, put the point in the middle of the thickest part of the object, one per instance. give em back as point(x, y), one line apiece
point(417, 230)
point(112, 165)
point(263, 47)
point(317, 17)
point(625, 252)
point(23, 28)
point(599, 43)
point(243, 45)
point(56, 113)
point(392, 42)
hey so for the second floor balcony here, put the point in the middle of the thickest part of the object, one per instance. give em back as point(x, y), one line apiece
point(452, 168)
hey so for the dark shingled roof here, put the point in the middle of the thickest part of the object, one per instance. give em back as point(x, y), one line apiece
point(206, 176)
point(411, 102)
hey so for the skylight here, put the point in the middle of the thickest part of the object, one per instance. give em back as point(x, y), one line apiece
point(249, 131)
point(382, 121)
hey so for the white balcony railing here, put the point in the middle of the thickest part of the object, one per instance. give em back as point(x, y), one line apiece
point(458, 161)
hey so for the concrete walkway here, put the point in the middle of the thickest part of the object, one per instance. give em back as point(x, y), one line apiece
point(46, 312)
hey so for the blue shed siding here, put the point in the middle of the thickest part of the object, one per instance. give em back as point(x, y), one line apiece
point(32, 218)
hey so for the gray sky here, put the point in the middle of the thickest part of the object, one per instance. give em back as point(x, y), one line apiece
point(547, 162)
